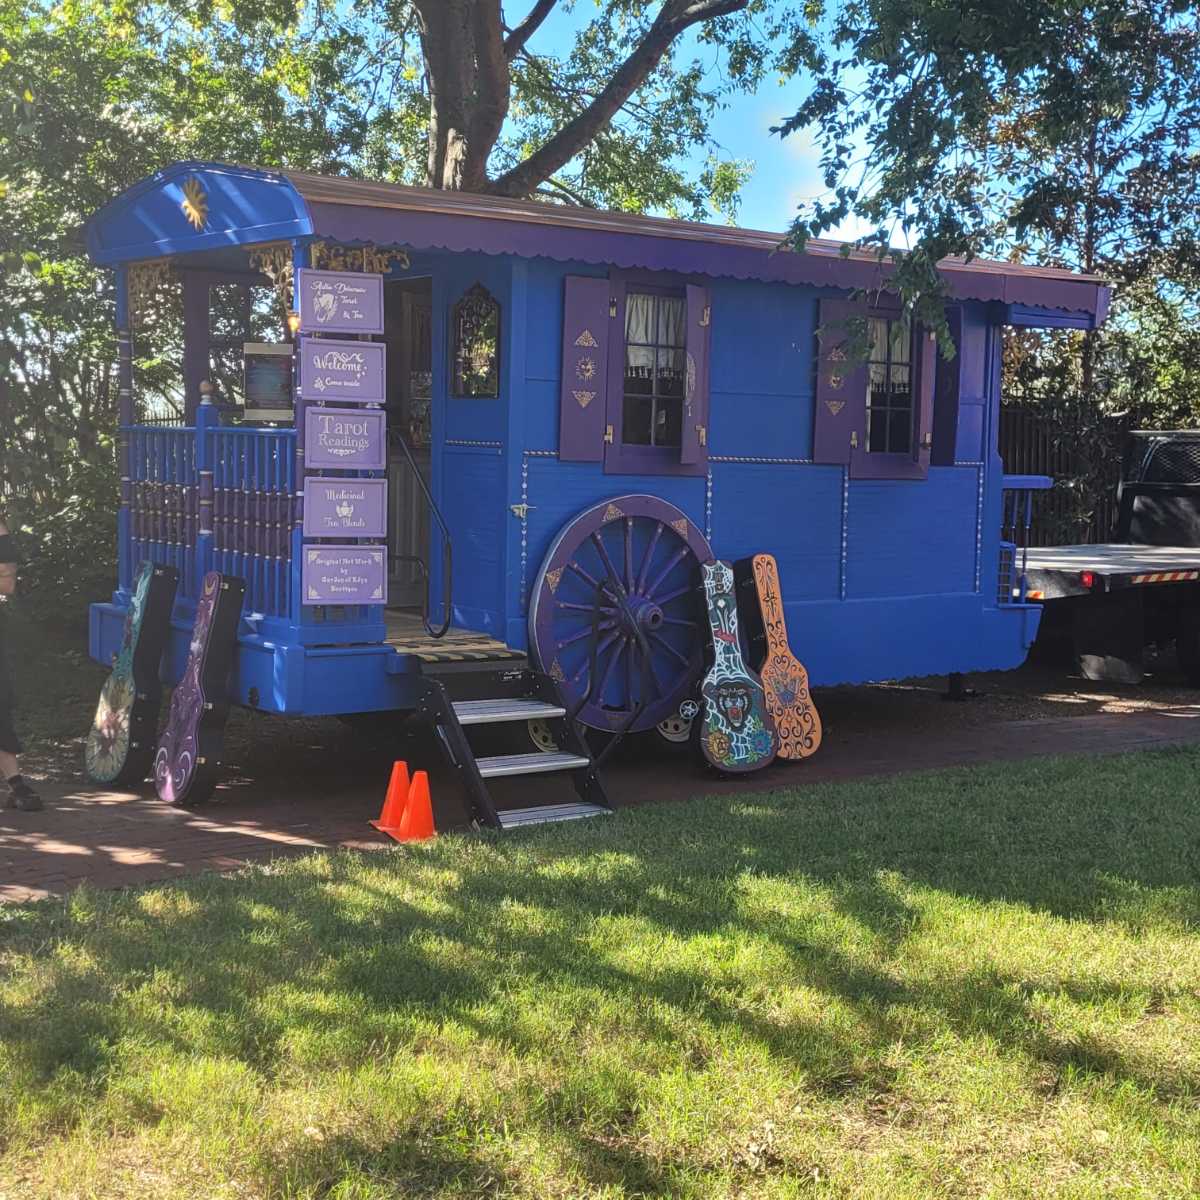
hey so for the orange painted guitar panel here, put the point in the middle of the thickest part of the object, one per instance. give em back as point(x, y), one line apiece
point(784, 678)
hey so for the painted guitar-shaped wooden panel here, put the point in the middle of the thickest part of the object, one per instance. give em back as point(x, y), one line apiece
point(189, 751)
point(120, 745)
point(736, 730)
point(783, 675)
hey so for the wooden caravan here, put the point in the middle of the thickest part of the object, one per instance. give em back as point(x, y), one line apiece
point(524, 427)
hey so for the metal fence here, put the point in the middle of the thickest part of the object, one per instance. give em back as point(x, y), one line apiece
point(1032, 443)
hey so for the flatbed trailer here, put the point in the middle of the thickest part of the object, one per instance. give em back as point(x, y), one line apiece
point(1114, 599)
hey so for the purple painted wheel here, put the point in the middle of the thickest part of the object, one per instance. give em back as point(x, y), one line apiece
point(616, 612)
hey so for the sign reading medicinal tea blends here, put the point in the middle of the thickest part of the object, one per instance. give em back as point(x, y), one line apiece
point(348, 371)
point(340, 302)
point(345, 438)
point(344, 575)
point(345, 507)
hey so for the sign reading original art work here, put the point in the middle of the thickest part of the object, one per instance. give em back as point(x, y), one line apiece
point(348, 371)
point(344, 575)
point(345, 507)
point(340, 302)
point(345, 438)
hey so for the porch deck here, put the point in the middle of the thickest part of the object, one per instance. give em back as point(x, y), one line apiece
point(406, 633)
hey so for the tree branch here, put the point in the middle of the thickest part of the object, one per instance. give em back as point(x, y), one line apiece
point(674, 17)
point(516, 40)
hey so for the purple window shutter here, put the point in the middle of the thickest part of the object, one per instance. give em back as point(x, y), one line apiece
point(583, 400)
point(694, 443)
point(839, 420)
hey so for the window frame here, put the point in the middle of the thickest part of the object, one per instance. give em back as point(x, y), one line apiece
point(452, 343)
point(659, 292)
point(621, 458)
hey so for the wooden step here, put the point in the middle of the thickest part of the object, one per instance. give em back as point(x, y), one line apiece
point(489, 712)
point(529, 764)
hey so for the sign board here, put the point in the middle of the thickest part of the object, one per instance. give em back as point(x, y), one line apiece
point(344, 575)
point(345, 507)
point(268, 381)
point(340, 302)
point(347, 371)
point(347, 439)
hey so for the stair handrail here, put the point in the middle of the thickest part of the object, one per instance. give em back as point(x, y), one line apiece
point(447, 549)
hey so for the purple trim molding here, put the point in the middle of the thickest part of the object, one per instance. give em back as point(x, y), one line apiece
point(460, 232)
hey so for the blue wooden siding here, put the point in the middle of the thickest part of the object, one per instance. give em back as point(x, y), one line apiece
point(882, 578)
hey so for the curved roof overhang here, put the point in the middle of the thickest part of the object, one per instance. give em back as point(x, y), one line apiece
point(246, 205)
point(191, 207)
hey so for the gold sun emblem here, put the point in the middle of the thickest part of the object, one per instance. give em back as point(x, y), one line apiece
point(586, 368)
point(195, 203)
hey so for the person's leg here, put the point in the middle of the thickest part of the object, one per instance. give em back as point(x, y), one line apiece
point(20, 795)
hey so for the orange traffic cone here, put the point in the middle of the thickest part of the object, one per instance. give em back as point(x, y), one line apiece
point(395, 802)
point(417, 823)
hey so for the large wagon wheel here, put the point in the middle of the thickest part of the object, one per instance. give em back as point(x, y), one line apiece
point(615, 615)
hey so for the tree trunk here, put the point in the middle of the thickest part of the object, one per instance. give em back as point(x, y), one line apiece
point(467, 65)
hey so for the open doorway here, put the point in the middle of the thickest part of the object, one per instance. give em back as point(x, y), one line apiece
point(408, 331)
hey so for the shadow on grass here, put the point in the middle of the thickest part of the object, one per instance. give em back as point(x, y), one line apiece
point(338, 963)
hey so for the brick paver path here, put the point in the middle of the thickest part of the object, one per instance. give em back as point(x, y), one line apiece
point(113, 839)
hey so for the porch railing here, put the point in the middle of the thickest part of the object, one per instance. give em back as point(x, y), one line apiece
point(1015, 532)
point(205, 497)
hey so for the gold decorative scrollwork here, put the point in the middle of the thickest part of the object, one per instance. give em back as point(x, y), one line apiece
point(333, 256)
point(144, 281)
point(274, 260)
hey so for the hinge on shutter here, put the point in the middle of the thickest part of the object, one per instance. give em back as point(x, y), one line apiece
point(854, 439)
point(706, 315)
point(702, 435)
point(608, 434)
point(612, 306)
point(927, 441)
point(521, 510)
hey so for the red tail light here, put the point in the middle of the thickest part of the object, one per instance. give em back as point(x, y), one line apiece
point(1087, 578)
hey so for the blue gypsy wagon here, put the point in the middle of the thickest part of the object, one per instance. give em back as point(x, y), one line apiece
point(424, 427)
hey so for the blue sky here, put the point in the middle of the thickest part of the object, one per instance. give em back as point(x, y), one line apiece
point(785, 169)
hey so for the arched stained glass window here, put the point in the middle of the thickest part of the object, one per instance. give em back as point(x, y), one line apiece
point(475, 325)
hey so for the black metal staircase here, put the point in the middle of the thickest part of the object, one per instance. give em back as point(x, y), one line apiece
point(453, 701)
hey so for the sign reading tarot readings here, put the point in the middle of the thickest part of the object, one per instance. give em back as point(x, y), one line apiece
point(347, 371)
point(340, 302)
point(345, 438)
point(345, 507)
point(344, 575)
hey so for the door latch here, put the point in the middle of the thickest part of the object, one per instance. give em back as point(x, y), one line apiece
point(854, 439)
point(702, 435)
point(608, 434)
point(521, 510)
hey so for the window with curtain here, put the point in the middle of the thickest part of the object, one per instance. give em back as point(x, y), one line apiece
point(655, 369)
point(889, 386)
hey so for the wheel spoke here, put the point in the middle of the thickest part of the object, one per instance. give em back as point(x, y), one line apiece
point(594, 583)
point(678, 621)
point(672, 563)
point(654, 679)
point(662, 641)
point(608, 670)
point(648, 557)
point(628, 553)
point(575, 637)
point(587, 658)
point(586, 608)
point(661, 600)
point(602, 550)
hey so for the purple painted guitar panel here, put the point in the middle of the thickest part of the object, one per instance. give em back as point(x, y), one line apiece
point(189, 750)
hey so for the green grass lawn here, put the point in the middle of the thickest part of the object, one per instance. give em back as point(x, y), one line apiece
point(976, 983)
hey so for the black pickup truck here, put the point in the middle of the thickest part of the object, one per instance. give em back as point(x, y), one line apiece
point(1109, 602)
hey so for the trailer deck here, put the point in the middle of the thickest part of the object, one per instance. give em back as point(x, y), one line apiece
point(1057, 571)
